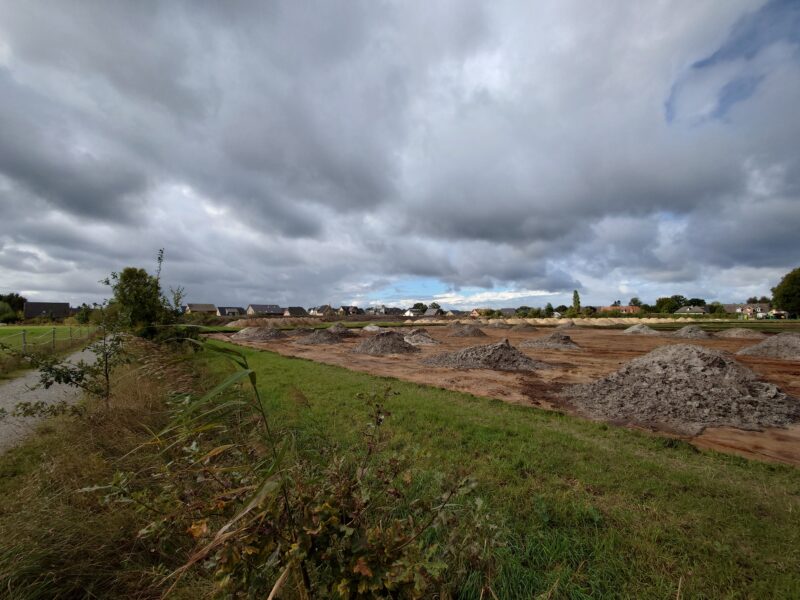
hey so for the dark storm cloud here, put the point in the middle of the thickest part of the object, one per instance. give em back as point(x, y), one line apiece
point(320, 152)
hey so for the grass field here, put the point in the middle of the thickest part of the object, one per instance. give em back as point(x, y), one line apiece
point(589, 510)
point(41, 335)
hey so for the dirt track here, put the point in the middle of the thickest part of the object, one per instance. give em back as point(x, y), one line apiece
point(603, 351)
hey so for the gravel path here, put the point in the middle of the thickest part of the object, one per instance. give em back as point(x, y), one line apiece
point(21, 389)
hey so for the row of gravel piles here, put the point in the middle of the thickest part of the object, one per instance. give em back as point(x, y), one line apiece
point(692, 332)
point(419, 336)
point(641, 329)
point(741, 332)
point(785, 346)
point(501, 356)
point(685, 388)
point(259, 334)
point(385, 342)
point(555, 341)
point(466, 331)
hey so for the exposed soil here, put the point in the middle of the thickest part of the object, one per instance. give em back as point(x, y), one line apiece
point(641, 329)
point(785, 346)
point(569, 324)
point(524, 327)
point(420, 337)
point(259, 334)
point(501, 356)
point(686, 388)
point(385, 342)
point(499, 325)
point(467, 331)
point(692, 332)
point(555, 341)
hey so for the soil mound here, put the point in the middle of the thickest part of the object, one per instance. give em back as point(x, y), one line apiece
point(386, 342)
point(785, 346)
point(741, 332)
point(554, 341)
point(467, 331)
point(692, 332)
point(499, 325)
point(641, 329)
point(685, 388)
point(341, 330)
point(567, 325)
point(501, 356)
point(322, 336)
point(259, 334)
point(420, 337)
point(372, 328)
point(523, 327)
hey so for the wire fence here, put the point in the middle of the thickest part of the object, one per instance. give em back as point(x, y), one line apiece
point(42, 341)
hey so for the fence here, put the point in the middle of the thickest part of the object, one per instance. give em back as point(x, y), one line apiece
point(49, 341)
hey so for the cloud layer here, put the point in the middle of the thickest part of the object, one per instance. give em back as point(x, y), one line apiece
point(353, 152)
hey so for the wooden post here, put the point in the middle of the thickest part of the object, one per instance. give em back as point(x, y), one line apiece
point(54, 339)
point(70, 334)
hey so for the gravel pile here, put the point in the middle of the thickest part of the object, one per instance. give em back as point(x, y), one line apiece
point(420, 337)
point(340, 329)
point(741, 332)
point(692, 332)
point(569, 324)
point(259, 334)
point(501, 356)
point(467, 331)
point(372, 328)
point(499, 325)
point(524, 328)
point(322, 336)
point(555, 341)
point(641, 329)
point(785, 346)
point(386, 342)
point(685, 388)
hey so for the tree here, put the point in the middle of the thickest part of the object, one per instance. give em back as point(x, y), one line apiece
point(695, 302)
point(434, 305)
point(634, 301)
point(616, 303)
point(786, 295)
point(7, 314)
point(14, 300)
point(752, 300)
point(523, 311)
point(562, 308)
point(764, 300)
point(84, 314)
point(716, 308)
point(548, 310)
point(671, 304)
point(420, 306)
point(576, 301)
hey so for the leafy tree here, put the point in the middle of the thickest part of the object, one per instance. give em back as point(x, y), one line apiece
point(434, 305)
point(562, 308)
point(634, 301)
point(84, 314)
point(670, 304)
point(7, 314)
point(752, 300)
point(786, 295)
point(14, 300)
point(616, 303)
point(576, 301)
point(716, 308)
point(548, 310)
point(695, 302)
point(522, 311)
point(420, 306)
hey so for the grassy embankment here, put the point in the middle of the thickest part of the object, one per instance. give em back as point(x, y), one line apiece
point(588, 510)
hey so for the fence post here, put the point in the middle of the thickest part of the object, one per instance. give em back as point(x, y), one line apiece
point(24, 345)
point(70, 334)
point(54, 339)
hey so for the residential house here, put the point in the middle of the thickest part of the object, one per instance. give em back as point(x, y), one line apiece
point(295, 311)
point(201, 309)
point(394, 311)
point(456, 313)
point(434, 312)
point(264, 310)
point(778, 314)
point(47, 310)
point(625, 310)
point(413, 312)
point(345, 311)
point(479, 312)
point(324, 310)
point(758, 310)
point(692, 310)
point(230, 311)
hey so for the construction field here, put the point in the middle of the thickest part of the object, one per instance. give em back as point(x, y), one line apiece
point(544, 375)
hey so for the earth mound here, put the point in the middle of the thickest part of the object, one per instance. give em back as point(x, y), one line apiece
point(341, 330)
point(322, 336)
point(568, 324)
point(523, 327)
point(554, 341)
point(372, 328)
point(420, 337)
point(685, 388)
point(641, 329)
point(741, 332)
point(467, 331)
point(501, 356)
point(386, 342)
point(499, 325)
point(785, 346)
point(259, 334)
point(693, 332)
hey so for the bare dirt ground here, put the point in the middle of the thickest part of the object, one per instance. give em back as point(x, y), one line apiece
point(603, 352)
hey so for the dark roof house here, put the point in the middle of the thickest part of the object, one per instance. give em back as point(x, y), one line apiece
point(267, 310)
point(295, 311)
point(691, 310)
point(204, 309)
point(230, 311)
point(434, 312)
point(49, 310)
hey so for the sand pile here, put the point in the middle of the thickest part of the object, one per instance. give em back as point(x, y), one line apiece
point(692, 332)
point(523, 327)
point(259, 334)
point(641, 329)
point(741, 332)
point(501, 356)
point(685, 388)
point(372, 328)
point(785, 345)
point(323, 336)
point(568, 324)
point(386, 342)
point(467, 331)
point(420, 337)
point(555, 341)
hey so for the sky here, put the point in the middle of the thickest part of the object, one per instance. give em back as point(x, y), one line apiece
point(368, 152)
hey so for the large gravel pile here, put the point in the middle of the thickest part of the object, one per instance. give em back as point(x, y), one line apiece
point(641, 329)
point(524, 328)
point(785, 345)
point(340, 329)
point(259, 334)
point(322, 336)
point(467, 331)
point(692, 332)
point(420, 337)
point(501, 356)
point(741, 332)
point(685, 388)
point(555, 341)
point(385, 342)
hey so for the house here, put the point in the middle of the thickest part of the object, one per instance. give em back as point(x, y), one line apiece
point(350, 310)
point(456, 313)
point(556, 314)
point(434, 312)
point(264, 310)
point(230, 311)
point(692, 310)
point(508, 312)
point(778, 314)
point(625, 310)
point(201, 309)
point(48, 310)
point(295, 311)
point(758, 310)
point(393, 310)
point(324, 310)
point(479, 312)
point(413, 312)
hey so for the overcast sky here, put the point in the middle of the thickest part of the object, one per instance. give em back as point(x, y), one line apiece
point(482, 153)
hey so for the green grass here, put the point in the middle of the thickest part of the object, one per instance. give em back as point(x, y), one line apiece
point(591, 510)
point(40, 335)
